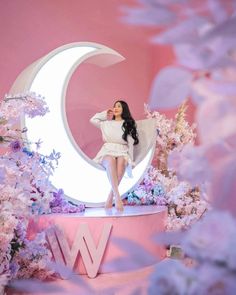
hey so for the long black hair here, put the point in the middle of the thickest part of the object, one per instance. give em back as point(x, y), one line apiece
point(129, 126)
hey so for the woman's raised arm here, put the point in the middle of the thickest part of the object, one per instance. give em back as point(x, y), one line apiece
point(98, 118)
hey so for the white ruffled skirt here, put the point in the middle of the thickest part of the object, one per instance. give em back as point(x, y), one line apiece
point(115, 150)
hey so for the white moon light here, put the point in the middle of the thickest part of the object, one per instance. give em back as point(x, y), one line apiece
point(79, 177)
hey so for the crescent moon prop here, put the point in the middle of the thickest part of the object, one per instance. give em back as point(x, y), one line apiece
point(80, 177)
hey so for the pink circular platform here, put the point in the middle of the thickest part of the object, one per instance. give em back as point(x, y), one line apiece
point(104, 241)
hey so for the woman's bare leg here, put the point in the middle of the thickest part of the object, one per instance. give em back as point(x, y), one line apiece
point(120, 165)
point(109, 200)
point(109, 163)
point(120, 170)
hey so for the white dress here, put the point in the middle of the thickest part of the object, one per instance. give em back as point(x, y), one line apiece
point(115, 145)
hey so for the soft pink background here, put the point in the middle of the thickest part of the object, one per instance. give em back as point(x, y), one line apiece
point(30, 29)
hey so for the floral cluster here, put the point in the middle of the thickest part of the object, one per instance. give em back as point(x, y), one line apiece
point(161, 186)
point(31, 259)
point(144, 196)
point(25, 189)
point(202, 36)
point(213, 268)
point(59, 204)
point(12, 107)
point(184, 202)
point(28, 103)
point(149, 192)
point(185, 206)
point(171, 134)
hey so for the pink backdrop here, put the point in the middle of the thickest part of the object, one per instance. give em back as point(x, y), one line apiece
point(30, 29)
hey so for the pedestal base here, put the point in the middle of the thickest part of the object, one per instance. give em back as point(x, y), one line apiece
point(123, 241)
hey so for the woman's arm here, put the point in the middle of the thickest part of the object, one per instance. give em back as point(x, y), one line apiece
point(98, 118)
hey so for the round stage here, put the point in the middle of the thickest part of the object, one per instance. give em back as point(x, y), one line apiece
point(104, 241)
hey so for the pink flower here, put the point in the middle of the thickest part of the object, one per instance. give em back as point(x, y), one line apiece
point(212, 279)
point(191, 165)
point(15, 146)
point(170, 275)
point(213, 239)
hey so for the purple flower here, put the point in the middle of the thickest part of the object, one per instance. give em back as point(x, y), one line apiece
point(14, 267)
point(58, 198)
point(20, 231)
point(161, 201)
point(2, 175)
point(15, 146)
point(213, 239)
point(60, 205)
point(168, 276)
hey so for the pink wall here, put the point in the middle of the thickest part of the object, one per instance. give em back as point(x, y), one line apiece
point(30, 29)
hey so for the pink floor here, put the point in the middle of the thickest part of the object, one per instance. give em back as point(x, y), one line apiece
point(123, 283)
point(119, 283)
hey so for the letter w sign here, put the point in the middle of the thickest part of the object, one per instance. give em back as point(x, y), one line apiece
point(83, 243)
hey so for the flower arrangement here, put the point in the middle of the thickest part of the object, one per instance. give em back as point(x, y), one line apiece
point(171, 134)
point(210, 245)
point(184, 202)
point(202, 39)
point(59, 204)
point(25, 189)
point(185, 206)
point(30, 258)
point(28, 103)
point(161, 186)
point(149, 192)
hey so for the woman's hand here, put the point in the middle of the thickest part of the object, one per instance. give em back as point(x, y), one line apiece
point(110, 114)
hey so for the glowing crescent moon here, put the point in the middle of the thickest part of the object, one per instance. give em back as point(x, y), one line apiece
point(79, 177)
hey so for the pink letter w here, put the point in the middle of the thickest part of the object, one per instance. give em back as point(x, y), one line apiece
point(83, 243)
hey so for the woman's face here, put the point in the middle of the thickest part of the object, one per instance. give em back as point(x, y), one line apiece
point(117, 109)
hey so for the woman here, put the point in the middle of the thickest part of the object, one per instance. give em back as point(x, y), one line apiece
point(119, 135)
